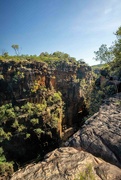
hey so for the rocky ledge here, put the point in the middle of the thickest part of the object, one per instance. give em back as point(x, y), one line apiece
point(69, 163)
point(101, 134)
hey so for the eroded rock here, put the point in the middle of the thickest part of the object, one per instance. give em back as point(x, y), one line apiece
point(68, 164)
point(101, 134)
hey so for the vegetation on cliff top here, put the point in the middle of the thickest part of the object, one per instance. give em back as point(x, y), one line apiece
point(44, 56)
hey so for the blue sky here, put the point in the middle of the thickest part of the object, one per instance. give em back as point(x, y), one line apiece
point(76, 27)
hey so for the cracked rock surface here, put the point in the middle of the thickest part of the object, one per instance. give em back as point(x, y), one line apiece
point(68, 163)
point(101, 134)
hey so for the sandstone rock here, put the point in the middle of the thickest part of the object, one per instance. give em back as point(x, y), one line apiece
point(20, 79)
point(68, 164)
point(101, 133)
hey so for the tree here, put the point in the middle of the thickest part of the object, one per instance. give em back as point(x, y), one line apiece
point(61, 55)
point(112, 54)
point(104, 54)
point(81, 61)
point(5, 54)
point(118, 33)
point(16, 48)
point(44, 54)
point(117, 46)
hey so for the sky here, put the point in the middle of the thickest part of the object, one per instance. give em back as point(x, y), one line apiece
point(76, 27)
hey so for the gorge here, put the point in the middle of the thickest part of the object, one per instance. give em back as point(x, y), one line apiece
point(43, 106)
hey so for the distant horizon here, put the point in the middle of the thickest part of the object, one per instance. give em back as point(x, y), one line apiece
point(77, 28)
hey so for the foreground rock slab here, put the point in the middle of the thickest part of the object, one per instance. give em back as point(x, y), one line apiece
point(68, 164)
point(101, 134)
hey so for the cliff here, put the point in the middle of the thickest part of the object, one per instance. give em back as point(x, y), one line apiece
point(24, 82)
point(101, 133)
point(39, 105)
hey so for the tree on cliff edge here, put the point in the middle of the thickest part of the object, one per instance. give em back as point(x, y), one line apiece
point(113, 53)
point(104, 54)
point(16, 48)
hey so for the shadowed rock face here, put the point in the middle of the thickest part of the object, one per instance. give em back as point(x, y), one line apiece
point(68, 164)
point(101, 134)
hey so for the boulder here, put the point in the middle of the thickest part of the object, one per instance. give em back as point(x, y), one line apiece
point(68, 163)
point(101, 133)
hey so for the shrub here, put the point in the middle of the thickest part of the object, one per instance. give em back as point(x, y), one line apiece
point(57, 97)
point(28, 136)
point(35, 121)
point(6, 169)
point(2, 156)
point(87, 174)
point(38, 132)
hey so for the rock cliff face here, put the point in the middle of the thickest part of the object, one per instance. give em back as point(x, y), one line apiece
point(101, 134)
point(39, 104)
point(23, 82)
point(69, 164)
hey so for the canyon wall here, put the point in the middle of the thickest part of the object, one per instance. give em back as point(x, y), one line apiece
point(22, 82)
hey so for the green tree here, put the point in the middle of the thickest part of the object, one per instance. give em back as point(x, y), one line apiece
point(118, 33)
point(16, 48)
point(5, 54)
point(44, 54)
point(61, 55)
point(104, 54)
point(117, 46)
